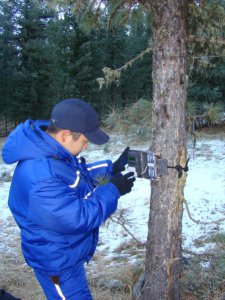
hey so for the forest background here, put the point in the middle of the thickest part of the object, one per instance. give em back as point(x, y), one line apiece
point(47, 54)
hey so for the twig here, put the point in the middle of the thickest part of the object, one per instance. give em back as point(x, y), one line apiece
point(121, 221)
point(130, 62)
point(198, 221)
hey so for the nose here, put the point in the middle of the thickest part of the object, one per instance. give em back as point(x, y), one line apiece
point(85, 146)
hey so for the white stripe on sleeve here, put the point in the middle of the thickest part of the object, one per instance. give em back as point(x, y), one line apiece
point(97, 166)
point(75, 184)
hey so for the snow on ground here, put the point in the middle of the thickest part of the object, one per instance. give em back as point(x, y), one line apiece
point(204, 192)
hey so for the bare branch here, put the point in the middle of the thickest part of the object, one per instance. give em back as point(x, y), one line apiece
point(120, 218)
point(198, 221)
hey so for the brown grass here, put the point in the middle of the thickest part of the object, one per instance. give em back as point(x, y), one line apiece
point(15, 276)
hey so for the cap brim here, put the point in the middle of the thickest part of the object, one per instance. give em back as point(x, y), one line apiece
point(97, 137)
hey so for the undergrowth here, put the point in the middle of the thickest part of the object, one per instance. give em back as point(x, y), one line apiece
point(136, 119)
point(203, 277)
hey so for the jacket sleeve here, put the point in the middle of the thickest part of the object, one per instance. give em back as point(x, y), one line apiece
point(100, 172)
point(54, 206)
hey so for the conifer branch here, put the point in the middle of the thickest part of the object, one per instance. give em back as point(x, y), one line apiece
point(139, 56)
point(146, 4)
point(114, 75)
point(212, 40)
point(115, 10)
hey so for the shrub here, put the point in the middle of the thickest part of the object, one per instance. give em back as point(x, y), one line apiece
point(192, 109)
point(135, 119)
point(214, 112)
point(113, 119)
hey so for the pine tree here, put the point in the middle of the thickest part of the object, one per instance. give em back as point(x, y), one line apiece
point(137, 80)
point(169, 76)
point(8, 60)
point(35, 55)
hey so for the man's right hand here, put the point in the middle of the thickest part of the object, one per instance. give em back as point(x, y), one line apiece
point(124, 183)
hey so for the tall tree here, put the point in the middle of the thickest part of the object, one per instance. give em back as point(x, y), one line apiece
point(169, 76)
point(169, 139)
point(138, 80)
point(35, 55)
point(8, 58)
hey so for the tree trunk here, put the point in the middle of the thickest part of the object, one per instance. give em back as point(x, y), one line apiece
point(6, 124)
point(169, 138)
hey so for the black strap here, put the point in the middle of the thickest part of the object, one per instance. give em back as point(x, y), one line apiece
point(180, 169)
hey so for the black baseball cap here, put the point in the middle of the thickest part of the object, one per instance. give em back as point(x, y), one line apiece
point(78, 116)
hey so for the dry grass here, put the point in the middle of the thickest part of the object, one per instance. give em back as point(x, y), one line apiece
point(203, 278)
point(113, 280)
point(198, 282)
point(15, 276)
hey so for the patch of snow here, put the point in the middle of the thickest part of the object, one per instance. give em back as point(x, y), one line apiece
point(4, 210)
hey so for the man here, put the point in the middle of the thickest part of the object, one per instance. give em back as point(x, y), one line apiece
point(56, 199)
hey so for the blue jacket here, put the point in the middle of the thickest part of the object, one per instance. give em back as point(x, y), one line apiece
point(54, 199)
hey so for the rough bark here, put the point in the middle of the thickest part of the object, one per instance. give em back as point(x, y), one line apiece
point(169, 138)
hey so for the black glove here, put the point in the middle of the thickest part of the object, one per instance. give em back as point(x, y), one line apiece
point(123, 183)
point(82, 160)
point(120, 163)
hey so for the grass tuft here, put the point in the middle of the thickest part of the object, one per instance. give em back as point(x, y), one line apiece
point(135, 120)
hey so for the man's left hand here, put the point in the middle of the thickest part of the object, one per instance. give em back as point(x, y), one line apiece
point(120, 163)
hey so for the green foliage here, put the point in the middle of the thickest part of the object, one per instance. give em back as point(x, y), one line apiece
point(139, 113)
point(206, 29)
point(134, 119)
point(218, 238)
point(207, 84)
point(51, 57)
point(214, 112)
point(206, 22)
point(8, 58)
point(192, 108)
point(113, 119)
point(46, 54)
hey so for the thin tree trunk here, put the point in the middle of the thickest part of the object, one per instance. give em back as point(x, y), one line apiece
point(169, 138)
point(6, 124)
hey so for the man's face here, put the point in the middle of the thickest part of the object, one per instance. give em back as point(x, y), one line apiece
point(76, 146)
point(66, 139)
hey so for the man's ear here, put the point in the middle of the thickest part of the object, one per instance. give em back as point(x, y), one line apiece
point(65, 135)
